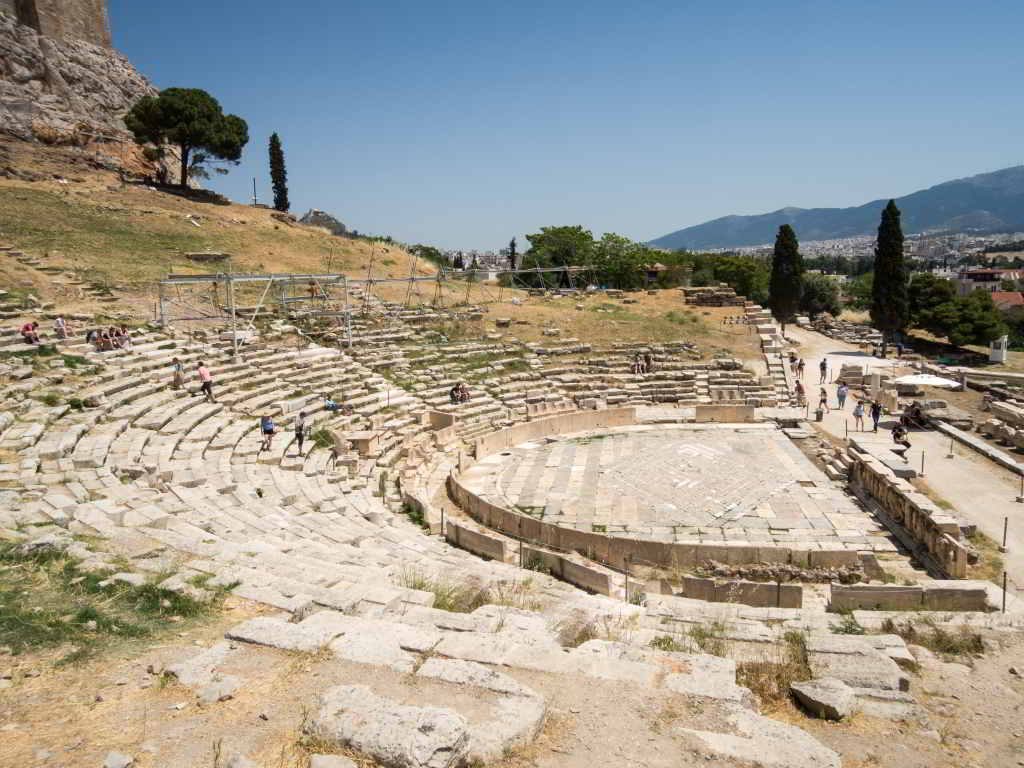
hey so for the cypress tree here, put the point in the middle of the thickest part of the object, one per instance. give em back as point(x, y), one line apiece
point(512, 254)
point(786, 283)
point(278, 174)
point(890, 304)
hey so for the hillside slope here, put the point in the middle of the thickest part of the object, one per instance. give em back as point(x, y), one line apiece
point(988, 202)
point(78, 216)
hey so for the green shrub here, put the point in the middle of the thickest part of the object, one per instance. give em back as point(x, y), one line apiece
point(848, 625)
point(322, 438)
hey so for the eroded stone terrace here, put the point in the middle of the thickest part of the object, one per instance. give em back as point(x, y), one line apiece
point(170, 483)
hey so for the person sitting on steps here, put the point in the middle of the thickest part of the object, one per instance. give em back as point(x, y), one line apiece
point(899, 436)
point(125, 337)
point(61, 328)
point(913, 416)
point(30, 332)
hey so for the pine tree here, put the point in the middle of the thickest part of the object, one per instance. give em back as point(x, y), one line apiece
point(786, 283)
point(890, 303)
point(278, 174)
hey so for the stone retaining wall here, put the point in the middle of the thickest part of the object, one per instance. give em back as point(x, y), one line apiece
point(565, 569)
point(474, 541)
point(758, 594)
point(934, 596)
point(726, 414)
point(556, 425)
point(931, 532)
point(618, 553)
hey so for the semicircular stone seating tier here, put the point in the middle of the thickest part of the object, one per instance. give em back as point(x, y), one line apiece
point(173, 483)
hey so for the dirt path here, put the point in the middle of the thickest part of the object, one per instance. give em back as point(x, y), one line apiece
point(979, 490)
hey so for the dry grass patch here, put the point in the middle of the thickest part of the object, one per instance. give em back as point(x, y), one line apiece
point(958, 643)
point(46, 602)
point(710, 638)
point(448, 595)
point(769, 677)
point(577, 629)
point(990, 565)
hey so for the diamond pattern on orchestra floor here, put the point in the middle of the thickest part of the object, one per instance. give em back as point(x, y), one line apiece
point(680, 484)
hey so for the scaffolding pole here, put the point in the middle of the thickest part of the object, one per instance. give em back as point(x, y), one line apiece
point(234, 318)
point(348, 317)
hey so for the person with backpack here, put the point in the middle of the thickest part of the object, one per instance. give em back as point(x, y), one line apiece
point(268, 431)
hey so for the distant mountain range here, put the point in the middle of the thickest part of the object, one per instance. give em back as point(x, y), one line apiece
point(988, 202)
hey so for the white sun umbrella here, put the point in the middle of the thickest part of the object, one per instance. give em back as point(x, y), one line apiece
point(927, 380)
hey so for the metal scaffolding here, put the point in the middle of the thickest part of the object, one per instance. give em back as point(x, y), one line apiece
point(321, 289)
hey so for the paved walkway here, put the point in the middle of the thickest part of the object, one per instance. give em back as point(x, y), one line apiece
point(981, 491)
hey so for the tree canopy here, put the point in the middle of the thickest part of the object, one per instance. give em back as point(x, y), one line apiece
point(820, 294)
point(786, 282)
point(561, 246)
point(619, 262)
point(193, 121)
point(278, 174)
point(890, 310)
point(935, 307)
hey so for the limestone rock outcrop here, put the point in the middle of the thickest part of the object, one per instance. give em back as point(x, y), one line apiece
point(59, 91)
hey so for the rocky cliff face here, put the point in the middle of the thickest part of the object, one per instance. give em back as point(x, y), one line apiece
point(318, 218)
point(60, 91)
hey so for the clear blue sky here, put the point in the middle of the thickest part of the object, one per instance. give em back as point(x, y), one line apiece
point(462, 124)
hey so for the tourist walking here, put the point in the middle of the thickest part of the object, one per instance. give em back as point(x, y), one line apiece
point(858, 416)
point(801, 396)
point(205, 381)
point(177, 374)
point(841, 392)
point(800, 368)
point(268, 431)
point(823, 401)
point(876, 414)
point(823, 367)
point(300, 430)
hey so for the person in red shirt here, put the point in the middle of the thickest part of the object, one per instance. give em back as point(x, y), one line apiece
point(30, 332)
